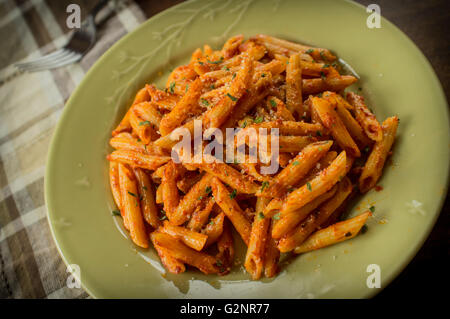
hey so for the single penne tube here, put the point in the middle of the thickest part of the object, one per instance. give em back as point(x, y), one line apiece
point(325, 161)
point(162, 99)
point(200, 215)
point(115, 186)
point(225, 248)
point(170, 195)
point(289, 221)
point(289, 144)
point(374, 165)
point(231, 208)
point(204, 262)
point(168, 141)
point(172, 265)
point(229, 176)
point(365, 117)
point(275, 67)
point(309, 68)
point(231, 46)
point(148, 112)
point(271, 257)
point(131, 206)
point(186, 106)
point(331, 120)
point(287, 127)
point(219, 113)
point(315, 219)
point(254, 259)
point(214, 229)
point(333, 234)
point(353, 127)
point(296, 170)
point(145, 130)
point(336, 84)
point(150, 162)
point(294, 86)
point(316, 53)
point(146, 193)
point(281, 111)
point(124, 124)
point(189, 202)
point(317, 186)
point(189, 237)
point(127, 143)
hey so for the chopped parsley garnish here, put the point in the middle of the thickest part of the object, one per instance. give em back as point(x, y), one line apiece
point(322, 75)
point(145, 123)
point(211, 222)
point(144, 188)
point(171, 87)
point(273, 103)
point(244, 124)
point(258, 120)
point(164, 216)
point(366, 149)
point(216, 62)
point(295, 163)
point(322, 55)
point(308, 186)
point(233, 76)
point(132, 194)
point(264, 185)
point(276, 216)
point(204, 102)
point(319, 133)
point(116, 212)
point(263, 75)
point(234, 99)
point(372, 208)
point(226, 68)
point(200, 62)
point(212, 87)
point(233, 194)
point(200, 198)
point(186, 88)
point(208, 190)
point(261, 215)
point(326, 65)
point(309, 51)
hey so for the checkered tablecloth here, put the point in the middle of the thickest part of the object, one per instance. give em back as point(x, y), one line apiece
point(30, 106)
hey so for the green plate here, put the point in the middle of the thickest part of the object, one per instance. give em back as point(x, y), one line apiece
point(396, 79)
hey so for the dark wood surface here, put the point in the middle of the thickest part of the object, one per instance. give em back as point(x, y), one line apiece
point(427, 23)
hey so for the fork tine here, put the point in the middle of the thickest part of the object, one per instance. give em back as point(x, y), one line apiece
point(43, 58)
point(68, 60)
point(49, 64)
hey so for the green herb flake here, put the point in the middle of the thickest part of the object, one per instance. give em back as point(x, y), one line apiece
point(263, 75)
point(208, 190)
point(132, 194)
point(145, 123)
point(319, 133)
point(309, 51)
point(211, 222)
point(233, 76)
point(226, 68)
point(200, 62)
point(244, 124)
point(204, 102)
point(171, 87)
point(200, 197)
point(276, 216)
point(366, 149)
point(273, 103)
point(295, 163)
point(308, 186)
point(186, 88)
point(234, 99)
point(216, 62)
point(212, 87)
point(326, 65)
point(322, 75)
point(264, 185)
point(233, 194)
point(261, 215)
point(116, 212)
point(258, 120)
point(372, 208)
point(322, 55)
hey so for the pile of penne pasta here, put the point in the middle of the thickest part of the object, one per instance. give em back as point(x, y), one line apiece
point(330, 147)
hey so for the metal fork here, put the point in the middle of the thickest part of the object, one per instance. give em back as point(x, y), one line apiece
point(79, 44)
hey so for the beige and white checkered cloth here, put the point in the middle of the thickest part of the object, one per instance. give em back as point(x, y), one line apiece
point(30, 106)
